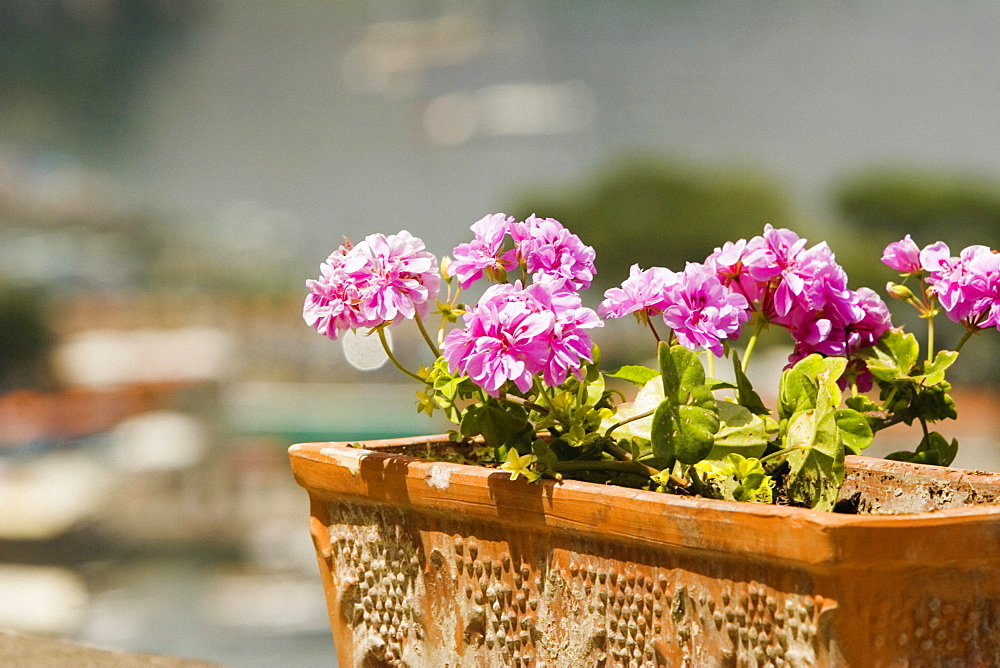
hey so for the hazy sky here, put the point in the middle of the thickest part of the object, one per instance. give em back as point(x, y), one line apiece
point(333, 118)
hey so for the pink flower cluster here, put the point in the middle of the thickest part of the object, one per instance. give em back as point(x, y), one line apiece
point(695, 304)
point(485, 253)
point(518, 332)
point(702, 311)
point(515, 333)
point(642, 292)
point(773, 275)
point(550, 252)
point(967, 286)
point(803, 290)
point(384, 279)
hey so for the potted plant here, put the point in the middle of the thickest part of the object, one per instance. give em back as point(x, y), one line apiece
point(560, 524)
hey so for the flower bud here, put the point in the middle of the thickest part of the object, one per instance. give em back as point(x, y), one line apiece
point(897, 291)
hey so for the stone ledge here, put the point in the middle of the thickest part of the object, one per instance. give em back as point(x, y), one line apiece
point(22, 651)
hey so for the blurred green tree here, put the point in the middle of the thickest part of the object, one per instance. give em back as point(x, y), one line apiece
point(657, 212)
point(887, 203)
point(882, 205)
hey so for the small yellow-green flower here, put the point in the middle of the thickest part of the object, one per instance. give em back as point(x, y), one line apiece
point(519, 465)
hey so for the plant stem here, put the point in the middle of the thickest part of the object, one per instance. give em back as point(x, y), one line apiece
point(907, 414)
point(607, 434)
point(651, 328)
point(427, 338)
point(452, 302)
point(621, 455)
point(392, 358)
point(710, 363)
point(888, 399)
point(930, 339)
point(968, 335)
point(752, 343)
point(527, 404)
point(543, 391)
point(785, 451)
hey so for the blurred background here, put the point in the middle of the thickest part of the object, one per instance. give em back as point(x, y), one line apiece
point(172, 171)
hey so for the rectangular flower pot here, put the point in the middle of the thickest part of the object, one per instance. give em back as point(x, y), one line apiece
point(431, 563)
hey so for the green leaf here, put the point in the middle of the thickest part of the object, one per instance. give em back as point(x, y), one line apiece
point(816, 466)
point(801, 386)
point(648, 398)
point(735, 478)
point(595, 390)
point(933, 403)
point(669, 373)
point(862, 404)
point(930, 457)
point(496, 424)
point(716, 384)
point(894, 356)
point(662, 431)
point(933, 449)
point(740, 432)
point(696, 428)
point(637, 375)
point(934, 372)
point(543, 451)
point(699, 395)
point(681, 370)
point(947, 450)
point(745, 392)
point(855, 431)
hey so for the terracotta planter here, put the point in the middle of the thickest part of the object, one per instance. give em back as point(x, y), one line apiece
point(428, 563)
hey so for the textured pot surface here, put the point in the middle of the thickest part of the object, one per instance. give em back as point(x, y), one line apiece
point(429, 563)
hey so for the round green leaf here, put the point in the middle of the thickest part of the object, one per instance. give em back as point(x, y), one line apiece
point(696, 429)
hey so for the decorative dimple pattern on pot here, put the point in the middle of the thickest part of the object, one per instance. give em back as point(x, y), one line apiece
point(765, 627)
point(378, 570)
point(952, 632)
point(629, 606)
point(417, 591)
point(501, 598)
point(647, 615)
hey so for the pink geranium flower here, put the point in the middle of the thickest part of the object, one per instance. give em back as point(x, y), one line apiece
point(730, 263)
point(331, 305)
point(569, 342)
point(515, 333)
point(804, 290)
point(384, 279)
point(702, 311)
point(968, 286)
point(903, 256)
point(398, 276)
point(643, 291)
point(484, 253)
point(553, 254)
point(875, 322)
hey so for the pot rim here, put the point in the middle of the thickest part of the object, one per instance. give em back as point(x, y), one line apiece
point(811, 538)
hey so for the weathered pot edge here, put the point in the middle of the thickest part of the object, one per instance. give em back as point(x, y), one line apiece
point(797, 536)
